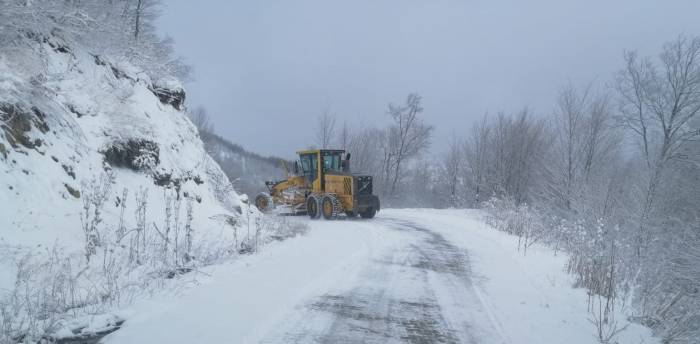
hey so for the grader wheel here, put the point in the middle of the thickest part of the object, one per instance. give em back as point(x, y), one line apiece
point(330, 206)
point(263, 202)
point(369, 213)
point(312, 207)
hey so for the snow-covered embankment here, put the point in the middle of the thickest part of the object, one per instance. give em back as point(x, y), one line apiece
point(106, 188)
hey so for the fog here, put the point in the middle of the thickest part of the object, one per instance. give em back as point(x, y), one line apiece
point(265, 70)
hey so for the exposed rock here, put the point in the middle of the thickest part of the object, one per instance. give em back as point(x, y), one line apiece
point(74, 110)
point(40, 120)
point(99, 61)
point(73, 192)
point(55, 45)
point(162, 178)
point(15, 124)
point(170, 274)
point(18, 123)
point(119, 74)
point(134, 154)
point(173, 97)
point(69, 170)
point(166, 179)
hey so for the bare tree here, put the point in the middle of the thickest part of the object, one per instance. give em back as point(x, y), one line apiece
point(363, 143)
point(143, 12)
point(344, 137)
point(408, 136)
point(325, 129)
point(658, 107)
point(569, 117)
point(476, 156)
point(120, 29)
point(518, 145)
point(138, 13)
point(205, 127)
point(601, 139)
point(452, 169)
point(200, 118)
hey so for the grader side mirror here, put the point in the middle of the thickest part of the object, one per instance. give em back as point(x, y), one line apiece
point(296, 167)
point(347, 156)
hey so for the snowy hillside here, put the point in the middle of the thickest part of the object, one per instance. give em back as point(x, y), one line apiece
point(98, 162)
point(96, 119)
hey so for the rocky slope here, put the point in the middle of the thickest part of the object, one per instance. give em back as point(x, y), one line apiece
point(104, 183)
point(88, 119)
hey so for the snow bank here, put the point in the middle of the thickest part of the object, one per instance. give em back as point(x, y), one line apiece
point(91, 150)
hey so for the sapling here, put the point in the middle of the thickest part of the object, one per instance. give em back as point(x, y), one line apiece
point(176, 234)
point(166, 229)
point(189, 232)
point(94, 194)
point(138, 243)
point(122, 208)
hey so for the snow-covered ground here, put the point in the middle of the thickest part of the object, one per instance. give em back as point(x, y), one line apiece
point(416, 276)
point(92, 105)
point(99, 160)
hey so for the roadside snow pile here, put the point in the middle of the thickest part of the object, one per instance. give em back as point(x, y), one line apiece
point(106, 187)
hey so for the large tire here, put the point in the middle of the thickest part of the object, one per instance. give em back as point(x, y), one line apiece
point(369, 213)
point(312, 207)
point(263, 202)
point(329, 207)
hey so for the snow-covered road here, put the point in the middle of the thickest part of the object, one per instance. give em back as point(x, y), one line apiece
point(416, 290)
point(408, 276)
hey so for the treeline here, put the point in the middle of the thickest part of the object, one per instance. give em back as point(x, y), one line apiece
point(611, 176)
point(390, 154)
point(124, 30)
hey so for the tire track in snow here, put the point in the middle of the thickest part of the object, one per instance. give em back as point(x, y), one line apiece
point(478, 294)
point(420, 291)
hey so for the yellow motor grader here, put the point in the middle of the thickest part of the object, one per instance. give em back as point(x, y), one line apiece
point(321, 184)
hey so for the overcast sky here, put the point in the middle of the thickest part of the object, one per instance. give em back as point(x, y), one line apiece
point(265, 70)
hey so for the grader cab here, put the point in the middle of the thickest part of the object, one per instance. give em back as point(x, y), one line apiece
point(321, 184)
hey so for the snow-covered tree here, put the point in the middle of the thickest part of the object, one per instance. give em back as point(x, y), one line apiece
point(408, 136)
point(124, 30)
point(325, 129)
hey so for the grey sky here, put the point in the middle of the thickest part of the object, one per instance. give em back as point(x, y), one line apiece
point(266, 69)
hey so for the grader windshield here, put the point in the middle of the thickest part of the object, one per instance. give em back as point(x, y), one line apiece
point(331, 160)
point(309, 162)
